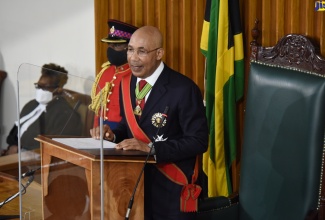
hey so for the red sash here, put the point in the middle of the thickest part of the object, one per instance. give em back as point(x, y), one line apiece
point(190, 192)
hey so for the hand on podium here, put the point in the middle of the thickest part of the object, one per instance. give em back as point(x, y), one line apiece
point(107, 133)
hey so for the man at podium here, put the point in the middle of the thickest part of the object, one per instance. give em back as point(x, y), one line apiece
point(163, 114)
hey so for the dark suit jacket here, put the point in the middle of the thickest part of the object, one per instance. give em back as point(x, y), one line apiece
point(186, 132)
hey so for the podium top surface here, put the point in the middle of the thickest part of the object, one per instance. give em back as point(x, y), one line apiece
point(94, 154)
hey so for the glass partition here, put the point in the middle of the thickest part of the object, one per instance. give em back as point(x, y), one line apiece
point(63, 172)
point(56, 175)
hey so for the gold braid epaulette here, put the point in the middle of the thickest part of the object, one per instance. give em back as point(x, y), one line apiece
point(99, 99)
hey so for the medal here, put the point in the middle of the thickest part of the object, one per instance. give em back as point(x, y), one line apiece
point(156, 120)
point(137, 110)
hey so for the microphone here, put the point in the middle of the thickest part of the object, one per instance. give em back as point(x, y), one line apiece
point(76, 106)
point(163, 118)
point(29, 173)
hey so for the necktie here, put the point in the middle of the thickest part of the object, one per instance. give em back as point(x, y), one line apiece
point(141, 91)
point(142, 83)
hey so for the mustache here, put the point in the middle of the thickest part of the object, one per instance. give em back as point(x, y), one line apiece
point(135, 64)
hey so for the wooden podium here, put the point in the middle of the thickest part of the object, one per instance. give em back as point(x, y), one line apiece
point(71, 182)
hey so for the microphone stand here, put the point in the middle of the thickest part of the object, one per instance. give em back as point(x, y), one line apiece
point(164, 116)
point(23, 190)
point(75, 107)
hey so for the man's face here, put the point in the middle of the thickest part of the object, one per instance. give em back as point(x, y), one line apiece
point(143, 55)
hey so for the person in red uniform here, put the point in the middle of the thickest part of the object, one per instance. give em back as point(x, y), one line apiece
point(109, 78)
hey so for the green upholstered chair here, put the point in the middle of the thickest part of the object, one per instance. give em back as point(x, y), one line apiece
point(281, 176)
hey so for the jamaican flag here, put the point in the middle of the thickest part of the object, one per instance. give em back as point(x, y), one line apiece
point(222, 45)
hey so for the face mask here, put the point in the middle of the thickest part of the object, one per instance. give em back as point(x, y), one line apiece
point(43, 97)
point(116, 58)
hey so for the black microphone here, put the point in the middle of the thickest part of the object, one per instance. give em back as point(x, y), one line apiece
point(29, 173)
point(76, 106)
point(163, 118)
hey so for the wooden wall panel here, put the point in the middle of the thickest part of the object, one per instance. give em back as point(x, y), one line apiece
point(281, 17)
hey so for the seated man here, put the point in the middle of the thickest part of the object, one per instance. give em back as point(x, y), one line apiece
point(49, 113)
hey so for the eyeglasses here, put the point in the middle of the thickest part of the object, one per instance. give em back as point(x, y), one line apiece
point(118, 46)
point(45, 87)
point(140, 52)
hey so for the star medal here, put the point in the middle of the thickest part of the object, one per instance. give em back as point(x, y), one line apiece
point(156, 120)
